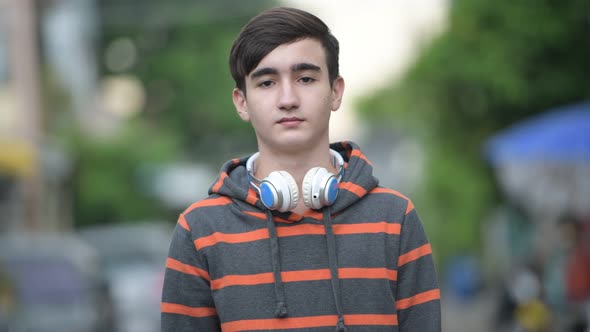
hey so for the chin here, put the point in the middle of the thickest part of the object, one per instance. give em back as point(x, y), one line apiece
point(291, 144)
point(290, 141)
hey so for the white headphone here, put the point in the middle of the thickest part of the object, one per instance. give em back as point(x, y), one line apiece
point(278, 191)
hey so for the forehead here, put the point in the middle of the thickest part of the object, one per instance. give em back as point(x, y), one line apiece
point(283, 57)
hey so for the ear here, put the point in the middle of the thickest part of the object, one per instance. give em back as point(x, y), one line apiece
point(337, 93)
point(239, 99)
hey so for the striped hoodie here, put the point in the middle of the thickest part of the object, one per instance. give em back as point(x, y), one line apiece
point(362, 264)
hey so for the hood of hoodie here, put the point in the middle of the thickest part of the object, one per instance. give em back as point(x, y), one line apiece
point(355, 183)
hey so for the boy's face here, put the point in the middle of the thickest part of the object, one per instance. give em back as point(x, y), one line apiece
point(289, 98)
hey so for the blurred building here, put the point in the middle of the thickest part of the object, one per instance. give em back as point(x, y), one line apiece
point(20, 109)
point(33, 169)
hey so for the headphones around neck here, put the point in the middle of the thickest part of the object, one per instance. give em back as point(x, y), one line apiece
point(278, 191)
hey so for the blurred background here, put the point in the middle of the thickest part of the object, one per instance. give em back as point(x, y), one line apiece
point(115, 115)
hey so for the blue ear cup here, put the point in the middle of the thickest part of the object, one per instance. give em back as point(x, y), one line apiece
point(320, 188)
point(278, 191)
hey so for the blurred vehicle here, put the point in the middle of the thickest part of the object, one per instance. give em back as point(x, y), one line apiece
point(133, 258)
point(51, 283)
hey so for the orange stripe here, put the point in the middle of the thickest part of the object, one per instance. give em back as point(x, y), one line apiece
point(262, 216)
point(418, 299)
point(268, 278)
point(368, 319)
point(173, 308)
point(293, 217)
point(219, 182)
point(305, 229)
point(378, 227)
point(252, 197)
point(231, 238)
point(307, 322)
point(296, 230)
point(279, 324)
point(242, 280)
point(414, 254)
point(259, 215)
point(410, 207)
point(359, 154)
point(380, 190)
point(303, 275)
point(367, 273)
point(223, 200)
point(235, 161)
point(368, 228)
point(182, 222)
point(185, 268)
point(353, 188)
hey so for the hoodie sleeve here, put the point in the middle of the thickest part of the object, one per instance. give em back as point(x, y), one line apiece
point(187, 304)
point(418, 295)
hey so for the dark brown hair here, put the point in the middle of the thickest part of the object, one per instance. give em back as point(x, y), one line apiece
point(275, 27)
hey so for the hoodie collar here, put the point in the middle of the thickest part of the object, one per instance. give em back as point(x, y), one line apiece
point(357, 181)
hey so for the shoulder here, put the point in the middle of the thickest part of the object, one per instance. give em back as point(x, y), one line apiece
point(198, 212)
point(391, 197)
point(211, 202)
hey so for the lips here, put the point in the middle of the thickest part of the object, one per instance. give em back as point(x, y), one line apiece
point(291, 119)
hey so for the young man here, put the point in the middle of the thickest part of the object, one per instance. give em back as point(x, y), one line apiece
point(298, 236)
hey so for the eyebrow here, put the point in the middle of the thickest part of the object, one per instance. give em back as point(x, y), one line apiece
point(304, 66)
point(294, 68)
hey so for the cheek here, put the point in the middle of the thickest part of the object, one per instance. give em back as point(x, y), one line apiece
point(257, 116)
point(257, 105)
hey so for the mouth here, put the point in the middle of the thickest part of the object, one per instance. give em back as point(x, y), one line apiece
point(291, 119)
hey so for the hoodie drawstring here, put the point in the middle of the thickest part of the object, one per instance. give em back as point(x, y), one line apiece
point(281, 308)
point(333, 262)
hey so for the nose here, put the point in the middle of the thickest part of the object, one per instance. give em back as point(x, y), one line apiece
point(288, 98)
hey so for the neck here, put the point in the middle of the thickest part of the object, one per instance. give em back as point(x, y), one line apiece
point(297, 163)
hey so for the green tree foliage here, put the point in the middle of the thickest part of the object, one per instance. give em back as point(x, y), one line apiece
point(110, 182)
point(497, 63)
point(183, 48)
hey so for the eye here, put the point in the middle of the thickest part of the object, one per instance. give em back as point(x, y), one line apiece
point(307, 79)
point(265, 84)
